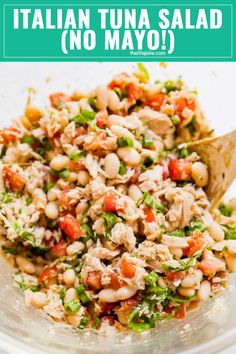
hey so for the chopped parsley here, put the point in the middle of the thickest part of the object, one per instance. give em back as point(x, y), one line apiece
point(191, 126)
point(143, 70)
point(83, 322)
point(25, 235)
point(84, 117)
point(122, 169)
point(72, 306)
point(29, 139)
point(147, 142)
point(152, 203)
point(48, 186)
point(126, 141)
point(169, 86)
point(110, 219)
point(80, 289)
point(77, 155)
point(225, 210)
point(183, 265)
point(64, 173)
point(230, 234)
point(183, 153)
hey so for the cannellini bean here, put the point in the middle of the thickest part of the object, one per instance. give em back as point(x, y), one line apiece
point(216, 231)
point(38, 299)
point(176, 251)
point(204, 291)
point(98, 226)
point(51, 210)
point(112, 165)
point(129, 155)
point(113, 100)
point(33, 114)
point(83, 178)
point(102, 97)
point(81, 207)
point(59, 162)
point(70, 294)
point(74, 320)
point(72, 177)
point(134, 192)
point(162, 283)
point(69, 276)
point(27, 266)
point(116, 120)
point(230, 261)
point(74, 248)
point(200, 173)
point(189, 281)
point(187, 292)
point(121, 132)
point(53, 194)
point(110, 295)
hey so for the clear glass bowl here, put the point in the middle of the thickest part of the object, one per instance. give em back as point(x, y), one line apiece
point(26, 330)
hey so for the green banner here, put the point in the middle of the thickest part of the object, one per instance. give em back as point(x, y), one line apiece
point(110, 31)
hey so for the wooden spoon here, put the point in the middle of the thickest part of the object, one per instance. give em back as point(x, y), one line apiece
point(219, 154)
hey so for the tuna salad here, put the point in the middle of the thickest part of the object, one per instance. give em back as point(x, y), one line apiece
point(103, 214)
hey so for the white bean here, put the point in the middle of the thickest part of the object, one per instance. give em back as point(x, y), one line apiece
point(53, 194)
point(51, 210)
point(200, 173)
point(176, 251)
point(83, 178)
point(59, 162)
point(98, 226)
point(110, 295)
point(72, 177)
point(129, 155)
point(102, 97)
point(188, 281)
point(187, 292)
point(121, 132)
point(38, 299)
point(230, 261)
point(204, 291)
point(116, 120)
point(27, 266)
point(112, 165)
point(70, 294)
point(69, 276)
point(134, 192)
point(216, 231)
point(162, 283)
point(81, 207)
point(74, 320)
point(113, 100)
point(74, 248)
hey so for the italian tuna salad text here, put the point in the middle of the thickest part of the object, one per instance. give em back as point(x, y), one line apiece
point(103, 214)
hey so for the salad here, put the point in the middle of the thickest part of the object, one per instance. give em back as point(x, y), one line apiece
point(103, 214)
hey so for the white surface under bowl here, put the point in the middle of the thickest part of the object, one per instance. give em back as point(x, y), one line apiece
point(25, 330)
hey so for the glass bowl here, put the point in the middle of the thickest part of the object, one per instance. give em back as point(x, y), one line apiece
point(209, 328)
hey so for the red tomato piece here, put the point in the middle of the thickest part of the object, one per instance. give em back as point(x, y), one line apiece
point(181, 103)
point(48, 273)
point(95, 144)
point(196, 242)
point(180, 170)
point(58, 99)
point(101, 118)
point(66, 200)
point(115, 281)
point(209, 266)
point(93, 280)
point(126, 308)
point(112, 202)
point(9, 134)
point(13, 180)
point(128, 269)
point(108, 319)
point(72, 228)
point(107, 307)
point(174, 276)
point(156, 101)
point(181, 313)
point(135, 175)
point(75, 166)
point(134, 92)
point(59, 250)
point(149, 216)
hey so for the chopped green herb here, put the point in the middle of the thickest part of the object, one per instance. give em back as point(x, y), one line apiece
point(120, 93)
point(110, 220)
point(143, 317)
point(91, 102)
point(29, 140)
point(152, 203)
point(83, 323)
point(183, 265)
point(89, 233)
point(191, 126)
point(231, 232)
point(175, 120)
point(225, 210)
point(147, 142)
point(34, 288)
point(8, 250)
point(183, 153)
point(46, 144)
point(25, 235)
point(122, 169)
point(84, 117)
point(3, 151)
point(143, 70)
point(7, 198)
point(53, 172)
point(28, 201)
point(177, 233)
point(62, 294)
point(152, 278)
point(127, 141)
point(80, 289)
point(169, 86)
point(96, 322)
point(194, 225)
point(72, 306)
point(148, 163)
point(64, 174)
point(48, 186)
point(178, 299)
point(77, 155)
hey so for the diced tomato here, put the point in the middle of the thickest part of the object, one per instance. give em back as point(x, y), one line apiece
point(59, 250)
point(80, 131)
point(126, 308)
point(196, 242)
point(66, 200)
point(108, 319)
point(165, 166)
point(156, 101)
point(106, 308)
point(149, 216)
point(181, 313)
point(112, 202)
point(135, 175)
point(134, 91)
point(75, 166)
point(115, 281)
point(70, 225)
point(13, 180)
point(181, 103)
point(113, 84)
point(101, 118)
point(93, 280)
point(128, 269)
point(47, 273)
point(180, 170)
point(9, 134)
point(209, 266)
point(174, 276)
point(95, 144)
point(58, 99)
